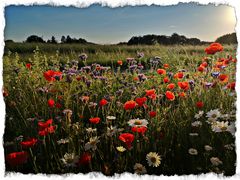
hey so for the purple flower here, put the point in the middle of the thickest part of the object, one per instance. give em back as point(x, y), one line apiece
point(83, 56)
point(140, 66)
point(191, 82)
point(140, 55)
point(132, 67)
point(88, 83)
point(208, 85)
point(142, 77)
point(170, 74)
point(215, 74)
point(130, 60)
point(119, 92)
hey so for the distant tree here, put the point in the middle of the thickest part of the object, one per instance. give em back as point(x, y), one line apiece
point(68, 39)
point(53, 40)
point(194, 41)
point(82, 41)
point(9, 41)
point(227, 39)
point(63, 39)
point(34, 38)
point(73, 40)
point(162, 39)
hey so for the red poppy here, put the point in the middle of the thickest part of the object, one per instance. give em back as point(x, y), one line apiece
point(29, 143)
point(166, 80)
point(223, 78)
point(17, 158)
point(152, 114)
point(161, 71)
point(98, 67)
point(46, 131)
point(43, 125)
point(170, 96)
point(135, 78)
point(120, 63)
point(199, 104)
point(51, 129)
point(130, 105)
point(200, 68)
point(28, 65)
point(81, 116)
point(5, 93)
point(178, 75)
point(58, 105)
point(127, 138)
point(141, 101)
point(51, 75)
point(153, 97)
point(140, 130)
point(166, 66)
point(171, 86)
point(103, 102)
point(51, 103)
point(150, 92)
point(182, 94)
point(231, 85)
point(85, 159)
point(226, 62)
point(42, 132)
point(213, 48)
point(183, 85)
point(95, 120)
point(204, 64)
point(78, 78)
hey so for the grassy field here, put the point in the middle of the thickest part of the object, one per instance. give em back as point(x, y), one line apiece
point(115, 111)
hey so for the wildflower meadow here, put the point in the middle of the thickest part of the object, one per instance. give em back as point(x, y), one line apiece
point(144, 110)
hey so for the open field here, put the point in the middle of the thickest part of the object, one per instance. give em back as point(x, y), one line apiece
point(143, 109)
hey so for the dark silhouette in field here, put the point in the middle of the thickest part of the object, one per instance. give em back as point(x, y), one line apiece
point(34, 38)
point(227, 39)
point(164, 40)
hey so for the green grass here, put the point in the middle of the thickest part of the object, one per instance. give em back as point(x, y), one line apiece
point(167, 134)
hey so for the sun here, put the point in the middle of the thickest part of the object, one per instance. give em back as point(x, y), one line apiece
point(229, 15)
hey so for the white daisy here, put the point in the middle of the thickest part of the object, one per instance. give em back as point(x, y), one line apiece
point(196, 124)
point(111, 131)
point(192, 151)
point(231, 128)
point(215, 161)
point(92, 144)
point(213, 115)
point(208, 148)
point(91, 130)
point(63, 141)
point(229, 146)
point(138, 122)
point(153, 159)
point(199, 115)
point(193, 134)
point(110, 118)
point(70, 160)
point(139, 169)
point(225, 116)
point(223, 126)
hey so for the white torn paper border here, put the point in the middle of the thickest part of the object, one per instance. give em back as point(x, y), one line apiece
point(113, 4)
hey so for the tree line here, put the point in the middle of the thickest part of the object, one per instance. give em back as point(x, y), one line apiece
point(67, 39)
point(139, 40)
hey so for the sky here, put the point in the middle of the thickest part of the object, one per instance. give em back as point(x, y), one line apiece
point(106, 25)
